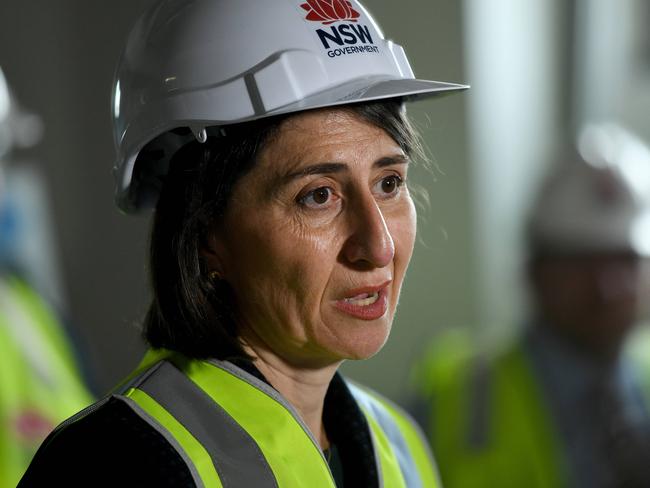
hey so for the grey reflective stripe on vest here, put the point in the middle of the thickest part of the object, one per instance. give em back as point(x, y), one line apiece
point(479, 403)
point(391, 429)
point(235, 454)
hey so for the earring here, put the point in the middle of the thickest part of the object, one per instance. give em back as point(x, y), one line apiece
point(214, 275)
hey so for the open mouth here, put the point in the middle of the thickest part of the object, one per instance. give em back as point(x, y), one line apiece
point(363, 300)
point(366, 304)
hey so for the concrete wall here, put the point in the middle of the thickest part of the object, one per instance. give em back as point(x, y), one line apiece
point(59, 58)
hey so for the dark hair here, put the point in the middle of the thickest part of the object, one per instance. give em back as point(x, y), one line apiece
point(190, 312)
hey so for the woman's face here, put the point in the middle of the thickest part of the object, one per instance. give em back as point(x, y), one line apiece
point(317, 238)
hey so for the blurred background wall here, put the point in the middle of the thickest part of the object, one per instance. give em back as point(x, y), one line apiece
point(59, 58)
point(538, 68)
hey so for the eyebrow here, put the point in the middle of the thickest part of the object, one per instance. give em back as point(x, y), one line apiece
point(332, 168)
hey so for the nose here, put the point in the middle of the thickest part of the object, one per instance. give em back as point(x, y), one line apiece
point(370, 243)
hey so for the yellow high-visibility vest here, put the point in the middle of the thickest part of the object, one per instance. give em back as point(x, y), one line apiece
point(233, 430)
point(488, 422)
point(39, 380)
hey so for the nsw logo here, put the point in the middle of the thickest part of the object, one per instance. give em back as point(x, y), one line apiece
point(330, 11)
point(347, 36)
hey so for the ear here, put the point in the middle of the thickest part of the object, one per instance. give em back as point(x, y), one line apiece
point(212, 253)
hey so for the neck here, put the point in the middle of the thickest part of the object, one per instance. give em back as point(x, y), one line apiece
point(304, 387)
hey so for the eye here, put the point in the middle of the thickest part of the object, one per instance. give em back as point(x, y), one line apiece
point(389, 185)
point(317, 198)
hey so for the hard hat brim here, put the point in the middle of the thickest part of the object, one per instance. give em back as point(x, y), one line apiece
point(370, 90)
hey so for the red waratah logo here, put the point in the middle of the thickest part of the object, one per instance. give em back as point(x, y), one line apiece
point(330, 11)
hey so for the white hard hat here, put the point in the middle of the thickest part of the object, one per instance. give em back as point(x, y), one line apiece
point(598, 199)
point(206, 63)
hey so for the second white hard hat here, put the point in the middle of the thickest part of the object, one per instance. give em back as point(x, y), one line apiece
point(597, 200)
point(203, 63)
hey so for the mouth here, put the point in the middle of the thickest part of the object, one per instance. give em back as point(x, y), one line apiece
point(368, 303)
point(363, 300)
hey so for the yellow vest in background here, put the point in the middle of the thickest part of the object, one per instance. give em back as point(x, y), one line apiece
point(487, 419)
point(39, 382)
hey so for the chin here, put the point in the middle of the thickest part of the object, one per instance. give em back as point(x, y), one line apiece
point(364, 342)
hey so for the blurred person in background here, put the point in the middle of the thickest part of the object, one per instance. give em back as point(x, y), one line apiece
point(566, 404)
point(272, 139)
point(39, 380)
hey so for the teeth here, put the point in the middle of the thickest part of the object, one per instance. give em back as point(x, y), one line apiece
point(364, 299)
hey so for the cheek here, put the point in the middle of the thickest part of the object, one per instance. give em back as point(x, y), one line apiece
point(279, 270)
point(403, 231)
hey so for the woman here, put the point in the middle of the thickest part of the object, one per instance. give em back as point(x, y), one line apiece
point(282, 232)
